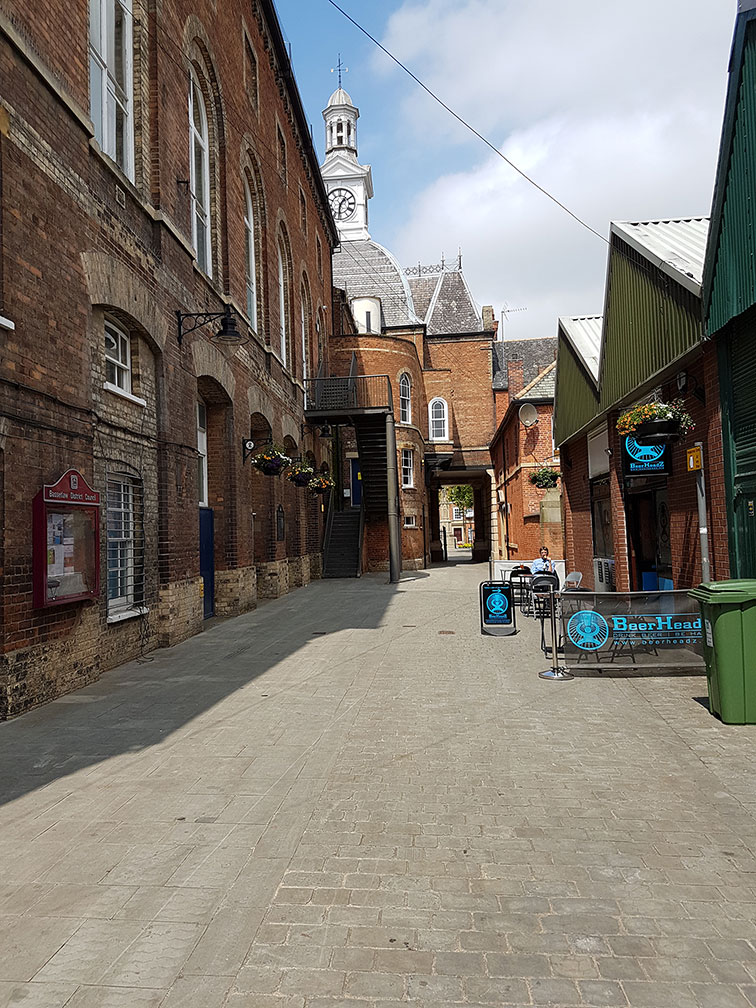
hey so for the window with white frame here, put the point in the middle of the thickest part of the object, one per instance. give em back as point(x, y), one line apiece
point(249, 253)
point(405, 399)
point(111, 87)
point(410, 521)
point(125, 534)
point(438, 420)
point(117, 357)
point(458, 514)
point(282, 307)
point(201, 453)
point(408, 468)
point(199, 175)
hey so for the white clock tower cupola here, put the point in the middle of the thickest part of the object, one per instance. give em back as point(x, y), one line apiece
point(349, 184)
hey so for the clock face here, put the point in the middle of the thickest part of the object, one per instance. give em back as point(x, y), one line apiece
point(342, 203)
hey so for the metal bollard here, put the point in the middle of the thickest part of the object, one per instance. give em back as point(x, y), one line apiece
point(555, 673)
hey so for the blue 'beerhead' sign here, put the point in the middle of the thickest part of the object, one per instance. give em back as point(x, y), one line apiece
point(497, 612)
point(631, 630)
point(639, 459)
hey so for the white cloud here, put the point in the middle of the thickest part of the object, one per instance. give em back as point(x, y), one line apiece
point(616, 109)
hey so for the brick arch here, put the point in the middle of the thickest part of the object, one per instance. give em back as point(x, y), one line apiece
point(209, 362)
point(112, 285)
point(199, 55)
point(258, 404)
point(290, 428)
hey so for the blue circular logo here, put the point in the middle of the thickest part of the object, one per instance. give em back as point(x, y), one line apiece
point(497, 603)
point(588, 630)
point(643, 452)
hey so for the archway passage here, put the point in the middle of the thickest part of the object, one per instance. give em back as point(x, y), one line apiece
point(459, 515)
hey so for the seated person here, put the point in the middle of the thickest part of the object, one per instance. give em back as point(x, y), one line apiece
point(544, 564)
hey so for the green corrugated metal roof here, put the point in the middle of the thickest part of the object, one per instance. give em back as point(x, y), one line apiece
point(576, 398)
point(650, 321)
point(730, 273)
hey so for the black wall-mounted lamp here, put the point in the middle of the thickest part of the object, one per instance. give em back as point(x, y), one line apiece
point(228, 334)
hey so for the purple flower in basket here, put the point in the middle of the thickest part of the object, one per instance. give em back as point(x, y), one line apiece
point(271, 461)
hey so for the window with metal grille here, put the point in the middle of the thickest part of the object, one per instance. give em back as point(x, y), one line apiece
point(111, 80)
point(117, 356)
point(199, 175)
point(437, 411)
point(405, 399)
point(408, 468)
point(125, 532)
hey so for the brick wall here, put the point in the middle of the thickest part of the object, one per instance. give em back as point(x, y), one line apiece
point(79, 241)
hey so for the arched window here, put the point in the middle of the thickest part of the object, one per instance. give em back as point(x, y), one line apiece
point(305, 326)
point(250, 255)
point(438, 420)
point(199, 175)
point(405, 399)
point(283, 308)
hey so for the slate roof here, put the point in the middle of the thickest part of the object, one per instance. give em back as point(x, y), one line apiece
point(535, 354)
point(452, 309)
point(423, 288)
point(542, 387)
point(366, 269)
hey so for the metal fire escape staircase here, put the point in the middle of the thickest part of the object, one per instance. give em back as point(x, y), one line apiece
point(366, 403)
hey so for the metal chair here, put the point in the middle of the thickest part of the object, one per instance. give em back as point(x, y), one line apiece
point(572, 581)
point(519, 578)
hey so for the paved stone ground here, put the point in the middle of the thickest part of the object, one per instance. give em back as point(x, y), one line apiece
point(351, 798)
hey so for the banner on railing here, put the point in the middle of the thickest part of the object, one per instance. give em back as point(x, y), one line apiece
point(631, 630)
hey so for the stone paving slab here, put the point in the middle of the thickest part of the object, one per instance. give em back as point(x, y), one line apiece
point(351, 798)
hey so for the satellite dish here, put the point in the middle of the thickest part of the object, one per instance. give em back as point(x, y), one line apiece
point(528, 415)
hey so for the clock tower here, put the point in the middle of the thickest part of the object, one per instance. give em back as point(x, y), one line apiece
point(349, 184)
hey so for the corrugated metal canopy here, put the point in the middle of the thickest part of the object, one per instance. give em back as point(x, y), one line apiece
point(677, 247)
point(584, 333)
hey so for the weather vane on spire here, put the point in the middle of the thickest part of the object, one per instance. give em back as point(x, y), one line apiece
point(340, 68)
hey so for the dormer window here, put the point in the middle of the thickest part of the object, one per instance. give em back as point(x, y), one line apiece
point(367, 314)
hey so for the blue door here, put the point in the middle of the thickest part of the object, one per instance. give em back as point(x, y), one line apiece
point(207, 559)
point(356, 483)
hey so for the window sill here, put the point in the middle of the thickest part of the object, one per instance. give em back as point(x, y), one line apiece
point(124, 614)
point(109, 387)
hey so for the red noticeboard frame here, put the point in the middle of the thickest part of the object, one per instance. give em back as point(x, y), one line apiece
point(70, 495)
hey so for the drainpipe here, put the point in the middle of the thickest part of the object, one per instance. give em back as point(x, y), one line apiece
point(392, 479)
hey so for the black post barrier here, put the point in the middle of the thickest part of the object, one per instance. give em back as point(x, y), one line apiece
point(497, 613)
point(556, 673)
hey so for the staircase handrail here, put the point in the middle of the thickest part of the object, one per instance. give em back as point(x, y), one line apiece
point(361, 536)
point(328, 525)
point(349, 392)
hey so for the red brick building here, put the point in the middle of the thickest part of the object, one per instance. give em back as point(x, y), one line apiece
point(529, 516)
point(154, 161)
point(625, 527)
point(417, 339)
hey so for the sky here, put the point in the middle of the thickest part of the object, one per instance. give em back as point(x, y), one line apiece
point(614, 108)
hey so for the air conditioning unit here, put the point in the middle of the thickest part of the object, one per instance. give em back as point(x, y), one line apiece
point(603, 575)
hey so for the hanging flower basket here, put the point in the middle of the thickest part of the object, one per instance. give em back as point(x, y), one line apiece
point(321, 484)
point(546, 478)
point(271, 461)
point(656, 422)
point(300, 475)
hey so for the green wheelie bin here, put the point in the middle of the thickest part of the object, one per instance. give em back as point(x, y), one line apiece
point(728, 618)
